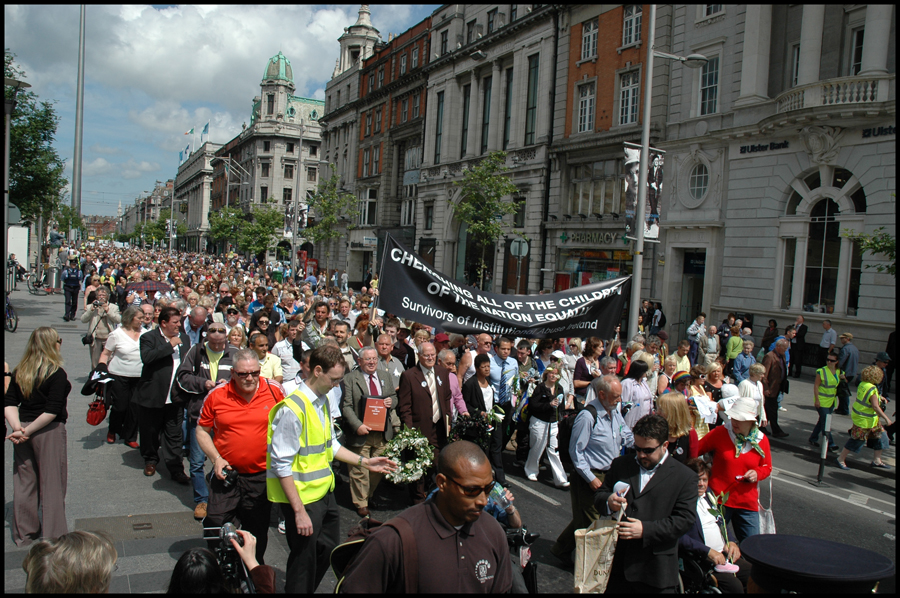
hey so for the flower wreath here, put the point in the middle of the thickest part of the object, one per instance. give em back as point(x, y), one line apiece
point(413, 454)
point(476, 428)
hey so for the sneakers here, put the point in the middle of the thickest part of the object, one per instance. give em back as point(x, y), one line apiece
point(842, 465)
point(281, 528)
point(532, 477)
point(814, 443)
point(200, 511)
point(782, 408)
point(563, 485)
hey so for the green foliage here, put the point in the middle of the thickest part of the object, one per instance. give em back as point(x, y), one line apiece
point(68, 219)
point(328, 205)
point(257, 234)
point(36, 179)
point(226, 223)
point(481, 206)
point(879, 242)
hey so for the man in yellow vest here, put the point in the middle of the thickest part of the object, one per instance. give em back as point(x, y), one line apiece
point(299, 474)
point(865, 413)
point(825, 394)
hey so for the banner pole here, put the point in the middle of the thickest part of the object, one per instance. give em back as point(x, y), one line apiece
point(381, 274)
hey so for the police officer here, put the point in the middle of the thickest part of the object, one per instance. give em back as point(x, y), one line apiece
point(71, 278)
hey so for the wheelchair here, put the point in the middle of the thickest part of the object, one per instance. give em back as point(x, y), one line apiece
point(695, 576)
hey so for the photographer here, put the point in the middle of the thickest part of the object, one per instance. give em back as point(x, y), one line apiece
point(101, 318)
point(198, 571)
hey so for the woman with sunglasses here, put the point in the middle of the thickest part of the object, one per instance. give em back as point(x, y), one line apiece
point(35, 408)
point(90, 290)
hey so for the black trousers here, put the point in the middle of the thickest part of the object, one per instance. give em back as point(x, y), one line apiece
point(771, 404)
point(797, 352)
point(123, 417)
point(419, 490)
point(821, 356)
point(162, 425)
point(495, 455)
point(245, 504)
point(617, 583)
point(71, 300)
point(310, 555)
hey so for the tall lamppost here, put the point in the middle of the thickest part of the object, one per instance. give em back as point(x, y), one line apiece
point(9, 107)
point(693, 61)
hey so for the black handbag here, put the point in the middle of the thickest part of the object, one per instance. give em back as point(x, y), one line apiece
point(88, 338)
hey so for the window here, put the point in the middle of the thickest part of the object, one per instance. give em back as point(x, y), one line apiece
point(367, 206)
point(289, 171)
point(314, 150)
point(467, 96)
point(712, 9)
point(264, 193)
point(519, 215)
point(856, 56)
point(795, 64)
point(709, 86)
point(586, 107)
point(486, 114)
point(589, 39)
point(404, 109)
point(507, 117)
point(444, 35)
point(413, 158)
point(439, 127)
point(265, 170)
point(787, 279)
point(338, 99)
point(365, 163)
point(415, 57)
point(266, 146)
point(429, 217)
point(531, 105)
point(270, 106)
point(286, 195)
point(311, 174)
point(470, 32)
point(596, 188)
point(822, 257)
point(403, 64)
point(378, 120)
point(408, 206)
point(376, 159)
point(290, 148)
point(368, 124)
point(416, 106)
point(628, 94)
point(513, 12)
point(699, 181)
point(492, 20)
point(631, 25)
point(371, 82)
point(381, 77)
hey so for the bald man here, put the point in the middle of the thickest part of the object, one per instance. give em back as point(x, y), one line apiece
point(466, 369)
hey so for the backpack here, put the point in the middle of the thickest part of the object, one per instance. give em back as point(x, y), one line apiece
point(344, 554)
point(564, 435)
point(662, 318)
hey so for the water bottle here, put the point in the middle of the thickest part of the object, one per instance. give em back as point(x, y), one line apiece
point(499, 496)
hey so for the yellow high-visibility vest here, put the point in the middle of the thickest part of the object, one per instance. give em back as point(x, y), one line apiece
point(862, 413)
point(828, 384)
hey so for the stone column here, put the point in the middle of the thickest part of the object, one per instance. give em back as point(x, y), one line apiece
point(875, 40)
point(811, 43)
point(843, 279)
point(496, 127)
point(546, 82)
point(755, 65)
point(799, 273)
point(474, 115)
point(431, 119)
point(519, 100)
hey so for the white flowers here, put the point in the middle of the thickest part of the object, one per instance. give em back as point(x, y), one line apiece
point(408, 440)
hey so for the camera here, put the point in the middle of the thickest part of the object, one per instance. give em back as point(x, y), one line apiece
point(230, 477)
point(233, 568)
point(97, 303)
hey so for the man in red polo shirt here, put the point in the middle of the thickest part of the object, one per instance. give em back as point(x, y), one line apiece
point(232, 432)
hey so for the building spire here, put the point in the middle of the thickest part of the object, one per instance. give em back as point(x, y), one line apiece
point(364, 16)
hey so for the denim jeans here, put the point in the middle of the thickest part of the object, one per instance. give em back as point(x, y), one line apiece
point(780, 398)
point(820, 426)
point(196, 459)
point(745, 523)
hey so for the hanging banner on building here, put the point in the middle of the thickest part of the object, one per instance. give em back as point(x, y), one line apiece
point(410, 288)
point(654, 190)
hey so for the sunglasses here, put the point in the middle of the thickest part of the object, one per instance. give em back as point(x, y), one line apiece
point(647, 451)
point(473, 491)
point(59, 341)
point(832, 361)
point(245, 374)
point(216, 330)
point(261, 322)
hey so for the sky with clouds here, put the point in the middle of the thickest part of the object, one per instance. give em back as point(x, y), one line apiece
point(152, 73)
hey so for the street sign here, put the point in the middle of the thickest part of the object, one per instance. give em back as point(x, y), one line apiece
point(518, 248)
point(15, 215)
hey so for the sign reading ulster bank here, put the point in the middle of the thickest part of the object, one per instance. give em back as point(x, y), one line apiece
point(412, 289)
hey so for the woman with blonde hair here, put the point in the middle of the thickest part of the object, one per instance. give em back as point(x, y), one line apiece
point(193, 299)
point(683, 440)
point(752, 388)
point(75, 563)
point(702, 407)
point(665, 377)
point(237, 338)
point(866, 414)
point(35, 408)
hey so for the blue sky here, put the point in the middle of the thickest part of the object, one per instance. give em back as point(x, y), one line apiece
point(152, 73)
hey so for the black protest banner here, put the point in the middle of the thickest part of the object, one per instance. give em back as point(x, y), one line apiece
point(412, 289)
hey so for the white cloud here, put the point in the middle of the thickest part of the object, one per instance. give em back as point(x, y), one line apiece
point(103, 149)
point(135, 170)
point(95, 168)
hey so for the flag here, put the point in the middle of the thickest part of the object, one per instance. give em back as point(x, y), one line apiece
point(205, 129)
point(191, 132)
point(187, 150)
point(180, 157)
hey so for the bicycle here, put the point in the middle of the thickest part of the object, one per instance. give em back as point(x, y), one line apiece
point(37, 283)
point(12, 319)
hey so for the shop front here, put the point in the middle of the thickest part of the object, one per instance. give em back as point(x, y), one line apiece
point(585, 257)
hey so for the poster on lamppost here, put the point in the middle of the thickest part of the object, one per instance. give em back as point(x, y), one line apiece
point(654, 191)
point(410, 288)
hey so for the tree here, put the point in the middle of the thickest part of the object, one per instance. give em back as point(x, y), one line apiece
point(258, 232)
point(67, 219)
point(481, 207)
point(36, 180)
point(329, 205)
point(226, 224)
point(879, 242)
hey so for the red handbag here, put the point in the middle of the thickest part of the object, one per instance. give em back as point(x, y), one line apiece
point(96, 412)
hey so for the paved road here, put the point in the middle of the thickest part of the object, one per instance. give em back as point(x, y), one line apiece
point(857, 507)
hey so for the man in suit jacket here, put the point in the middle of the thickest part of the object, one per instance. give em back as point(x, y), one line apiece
point(798, 346)
point(366, 381)
point(772, 381)
point(660, 507)
point(424, 403)
point(160, 406)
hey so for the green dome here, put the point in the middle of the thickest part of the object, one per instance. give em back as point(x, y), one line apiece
point(279, 67)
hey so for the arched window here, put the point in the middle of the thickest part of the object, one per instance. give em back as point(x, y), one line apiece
point(823, 254)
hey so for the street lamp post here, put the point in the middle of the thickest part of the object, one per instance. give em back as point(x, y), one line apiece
point(692, 61)
point(9, 107)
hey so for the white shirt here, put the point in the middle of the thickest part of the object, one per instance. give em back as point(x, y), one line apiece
point(126, 354)
point(712, 533)
point(488, 397)
point(647, 475)
point(284, 350)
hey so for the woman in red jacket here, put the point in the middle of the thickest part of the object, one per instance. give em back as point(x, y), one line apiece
point(741, 458)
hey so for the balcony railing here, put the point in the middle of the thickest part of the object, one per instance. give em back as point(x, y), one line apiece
point(834, 92)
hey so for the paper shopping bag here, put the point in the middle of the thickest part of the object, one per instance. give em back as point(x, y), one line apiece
point(594, 550)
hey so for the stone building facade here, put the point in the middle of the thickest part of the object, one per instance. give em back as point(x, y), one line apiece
point(193, 186)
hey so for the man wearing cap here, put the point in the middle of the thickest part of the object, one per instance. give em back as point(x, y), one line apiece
point(826, 345)
point(848, 362)
point(441, 341)
point(71, 279)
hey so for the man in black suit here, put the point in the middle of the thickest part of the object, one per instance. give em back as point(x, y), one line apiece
point(161, 409)
point(660, 507)
point(424, 403)
point(798, 346)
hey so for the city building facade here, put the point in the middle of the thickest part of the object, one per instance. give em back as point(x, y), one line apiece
point(193, 187)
